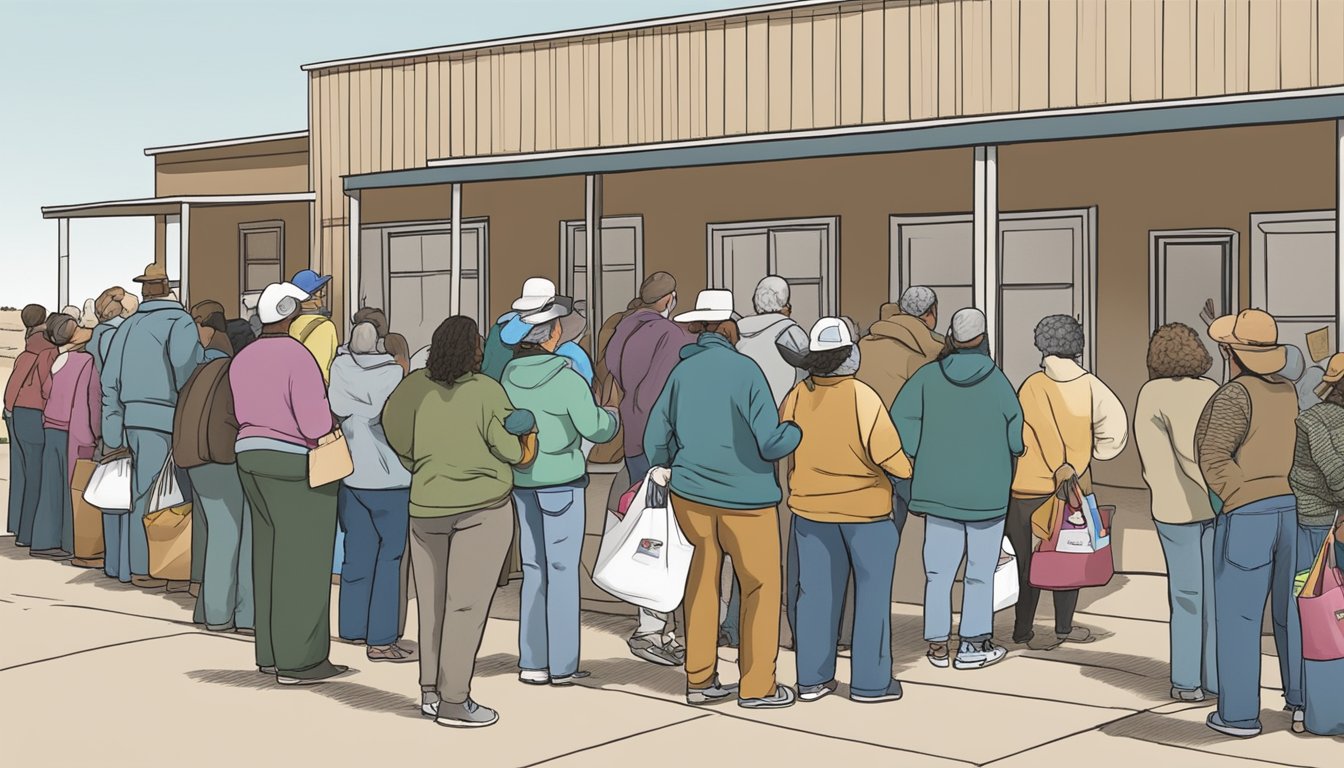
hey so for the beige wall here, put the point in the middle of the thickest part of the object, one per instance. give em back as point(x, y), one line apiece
point(247, 169)
point(214, 259)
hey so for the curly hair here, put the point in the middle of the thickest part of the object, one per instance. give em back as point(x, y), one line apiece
point(455, 351)
point(1060, 336)
point(826, 363)
point(1175, 352)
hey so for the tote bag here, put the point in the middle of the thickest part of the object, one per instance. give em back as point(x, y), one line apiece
point(1005, 578)
point(1321, 606)
point(168, 528)
point(644, 557)
point(330, 461)
point(1058, 570)
point(109, 487)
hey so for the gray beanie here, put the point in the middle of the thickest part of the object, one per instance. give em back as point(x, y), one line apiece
point(918, 300)
point(967, 324)
point(1060, 336)
point(364, 339)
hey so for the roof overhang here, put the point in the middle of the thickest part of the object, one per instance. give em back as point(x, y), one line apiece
point(1016, 128)
point(241, 141)
point(165, 206)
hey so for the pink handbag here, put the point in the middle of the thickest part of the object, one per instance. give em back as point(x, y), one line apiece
point(1061, 571)
point(1321, 607)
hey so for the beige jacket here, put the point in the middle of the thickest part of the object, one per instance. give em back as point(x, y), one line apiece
point(1069, 417)
point(1164, 431)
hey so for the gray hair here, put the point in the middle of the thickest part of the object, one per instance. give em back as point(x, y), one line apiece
point(540, 333)
point(1296, 366)
point(1060, 336)
point(364, 339)
point(772, 295)
point(918, 300)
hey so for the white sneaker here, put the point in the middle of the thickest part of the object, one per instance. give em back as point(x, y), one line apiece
point(535, 677)
point(429, 704)
point(978, 655)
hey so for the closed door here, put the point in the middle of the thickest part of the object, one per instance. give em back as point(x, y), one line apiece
point(1293, 274)
point(1190, 267)
point(936, 252)
point(801, 251)
point(622, 263)
point(419, 274)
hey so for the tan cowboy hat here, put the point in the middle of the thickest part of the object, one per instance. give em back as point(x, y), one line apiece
point(1334, 372)
point(1254, 336)
point(154, 273)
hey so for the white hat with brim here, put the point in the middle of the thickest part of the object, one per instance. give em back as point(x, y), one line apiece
point(712, 306)
point(279, 302)
point(537, 293)
point(829, 333)
point(556, 308)
point(1254, 336)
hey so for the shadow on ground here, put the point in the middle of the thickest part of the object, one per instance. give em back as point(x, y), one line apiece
point(349, 694)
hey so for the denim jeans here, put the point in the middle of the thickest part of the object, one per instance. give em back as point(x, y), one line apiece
point(827, 552)
point(54, 522)
point(27, 439)
point(550, 525)
point(1255, 551)
point(946, 542)
point(1188, 549)
point(375, 523)
point(226, 599)
point(117, 545)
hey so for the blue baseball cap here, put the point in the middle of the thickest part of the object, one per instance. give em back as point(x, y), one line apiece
point(309, 281)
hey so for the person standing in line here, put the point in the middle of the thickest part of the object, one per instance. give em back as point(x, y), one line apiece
point(281, 405)
point(25, 399)
point(313, 327)
point(205, 430)
point(537, 293)
point(725, 495)
point(640, 356)
point(1071, 419)
point(53, 531)
point(961, 425)
point(148, 362)
point(1164, 431)
point(1317, 480)
point(460, 521)
point(74, 381)
point(112, 307)
point(549, 494)
point(840, 495)
point(373, 502)
point(1244, 441)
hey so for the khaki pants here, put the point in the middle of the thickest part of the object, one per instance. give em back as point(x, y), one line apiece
point(751, 539)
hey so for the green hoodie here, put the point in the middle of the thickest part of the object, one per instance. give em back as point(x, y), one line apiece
point(453, 441)
point(961, 425)
point(566, 415)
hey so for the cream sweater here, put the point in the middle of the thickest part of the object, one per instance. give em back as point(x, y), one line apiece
point(1069, 417)
point(1164, 430)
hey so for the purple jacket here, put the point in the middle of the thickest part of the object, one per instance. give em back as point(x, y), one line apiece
point(75, 405)
point(278, 392)
point(640, 356)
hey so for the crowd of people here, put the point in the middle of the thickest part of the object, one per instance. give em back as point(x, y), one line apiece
point(793, 458)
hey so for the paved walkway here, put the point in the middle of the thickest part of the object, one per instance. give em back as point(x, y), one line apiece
point(97, 673)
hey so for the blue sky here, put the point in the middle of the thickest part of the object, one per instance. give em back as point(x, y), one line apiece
point(88, 84)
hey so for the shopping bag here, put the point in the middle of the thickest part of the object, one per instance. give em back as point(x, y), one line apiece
point(1059, 569)
point(88, 519)
point(330, 461)
point(1321, 606)
point(109, 487)
point(644, 557)
point(1005, 578)
point(168, 528)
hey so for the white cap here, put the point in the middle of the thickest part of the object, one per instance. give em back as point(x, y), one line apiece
point(279, 301)
point(829, 333)
point(967, 324)
point(537, 293)
point(710, 307)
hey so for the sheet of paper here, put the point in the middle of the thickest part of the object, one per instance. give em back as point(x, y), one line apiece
point(1318, 344)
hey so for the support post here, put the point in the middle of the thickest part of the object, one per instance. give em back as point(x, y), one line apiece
point(354, 267)
point(184, 256)
point(1339, 233)
point(455, 291)
point(593, 271)
point(62, 263)
point(986, 237)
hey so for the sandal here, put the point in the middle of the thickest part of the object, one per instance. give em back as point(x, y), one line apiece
point(390, 653)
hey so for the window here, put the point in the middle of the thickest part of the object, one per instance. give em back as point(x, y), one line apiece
point(419, 269)
point(622, 263)
point(805, 252)
point(261, 254)
point(1293, 273)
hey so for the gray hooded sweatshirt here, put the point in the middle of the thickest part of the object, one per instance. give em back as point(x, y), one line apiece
point(360, 386)
point(758, 335)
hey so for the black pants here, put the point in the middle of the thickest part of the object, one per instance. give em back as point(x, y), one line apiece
point(1018, 530)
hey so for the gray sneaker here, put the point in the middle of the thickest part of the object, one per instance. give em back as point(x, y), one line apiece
point(1181, 694)
point(715, 693)
point(1215, 721)
point(429, 704)
point(894, 693)
point(815, 692)
point(648, 648)
point(978, 655)
point(782, 697)
point(468, 714)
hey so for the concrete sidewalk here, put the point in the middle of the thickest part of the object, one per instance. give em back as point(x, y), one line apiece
point(93, 672)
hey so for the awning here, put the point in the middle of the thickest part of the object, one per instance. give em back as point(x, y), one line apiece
point(986, 130)
point(164, 206)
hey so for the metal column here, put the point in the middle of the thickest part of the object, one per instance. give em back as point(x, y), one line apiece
point(62, 263)
point(455, 291)
point(353, 270)
point(1339, 233)
point(593, 258)
point(184, 255)
point(986, 223)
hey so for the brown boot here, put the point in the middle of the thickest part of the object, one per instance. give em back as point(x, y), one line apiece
point(148, 582)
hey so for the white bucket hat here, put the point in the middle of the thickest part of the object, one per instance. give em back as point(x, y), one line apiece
point(829, 333)
point(279, 301)
point(537, 293)
point(710, 307)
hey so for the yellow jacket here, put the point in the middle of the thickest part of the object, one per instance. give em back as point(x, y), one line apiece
point(1069, 418)
point(318, 334)
point(849, 446)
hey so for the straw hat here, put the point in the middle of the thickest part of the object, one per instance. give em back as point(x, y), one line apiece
point(1254, 336)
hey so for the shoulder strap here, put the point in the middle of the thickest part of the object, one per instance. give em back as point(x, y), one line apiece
point(308, 329)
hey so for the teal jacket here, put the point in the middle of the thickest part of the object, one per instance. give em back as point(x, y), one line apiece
point(566, 415)
point(497, 353)
point(148, 362)
point(716, 426)
point(961, 425)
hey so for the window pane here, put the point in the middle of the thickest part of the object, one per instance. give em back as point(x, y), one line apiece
point(951, 299)
point(262, 245)
point(471, 249)
point(806, 302)
point(799, 253)
point(1021, 310)
point(1042, 254)
point(618, 288)
point(939, 254)
point(404, 253)
point(1300, 269)
point(470, 298)
point(618, 247)
point(437, 251)
point(744, 259)
point(258, 276)
point(579, 285)
point(578, 247)
point(1192, 273)
point(419, 304)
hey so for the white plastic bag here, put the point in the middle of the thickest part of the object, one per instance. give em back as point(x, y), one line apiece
point(166, 492)
point(110, 486)
point(644, 557)
point(1005, 578)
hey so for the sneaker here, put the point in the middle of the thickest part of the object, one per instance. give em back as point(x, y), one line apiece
point(1299, 721)
point(1181, 694)
point(268, 670)
point(429, 704)
point(389, 653)
point(782, 697)
point(715, 693)
point(534, 677)
point(468, 714)
point(937, 655)
point(815, 692)
point(567, 680)
point(978, 655)
point(648, 648)
point(893, 693)
point(321, 674)
point(1079, 635)
point(1216, 723)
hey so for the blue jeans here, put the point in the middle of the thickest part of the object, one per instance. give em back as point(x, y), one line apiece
point(826, 554)
point(375, 523)
point(1188, 549)
point(551, 522)
point(226, 600)
point(27, 439)
point(149, 451)
point(1255, 551)
point(946, 542)
point(54, 521)
point(117, 545)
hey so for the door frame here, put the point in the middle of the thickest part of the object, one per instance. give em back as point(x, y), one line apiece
point(1265, 224)
point(830, 267)
point(567, 228)
point(481, 225)
point(1230, 239)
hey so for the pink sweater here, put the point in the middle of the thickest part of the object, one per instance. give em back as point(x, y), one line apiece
point(75, 404)
point(278, 392)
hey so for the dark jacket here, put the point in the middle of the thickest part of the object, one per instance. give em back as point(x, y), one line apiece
point(643, 351)
point(204, 427)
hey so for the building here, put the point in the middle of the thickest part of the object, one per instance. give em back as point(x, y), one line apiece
point(1116, 160)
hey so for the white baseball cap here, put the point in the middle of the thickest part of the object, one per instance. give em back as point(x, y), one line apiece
point(279, 301)
point(829, 333)
point(710, 307)
point(537, 293)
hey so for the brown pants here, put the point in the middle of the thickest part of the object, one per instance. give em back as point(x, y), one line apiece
point(751, 539)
